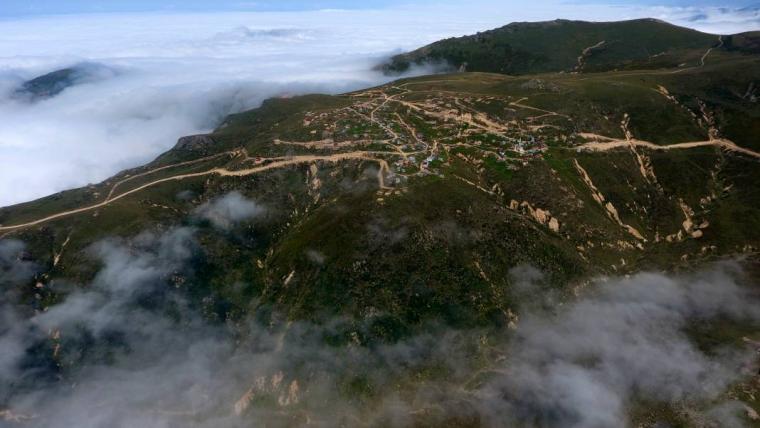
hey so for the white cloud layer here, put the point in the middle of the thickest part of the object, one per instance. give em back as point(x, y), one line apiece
point(226, 211)
point(179, 74)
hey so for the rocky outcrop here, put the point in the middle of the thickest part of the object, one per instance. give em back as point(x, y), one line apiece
point(286, 393)
point(541, 216)
point(610, 209)
point(194, 143)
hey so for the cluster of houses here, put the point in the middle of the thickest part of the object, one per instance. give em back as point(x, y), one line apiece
point(406, 162)
point(515, 143)
point(430, 159)
point(527, 145)
point(412, 161)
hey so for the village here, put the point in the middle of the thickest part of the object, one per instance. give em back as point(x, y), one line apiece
point(422, 136)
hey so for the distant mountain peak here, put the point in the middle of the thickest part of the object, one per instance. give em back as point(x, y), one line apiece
point(53, 83)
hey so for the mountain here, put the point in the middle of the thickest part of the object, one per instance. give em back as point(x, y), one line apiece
point(385, 247)
point(51, 84)
point(748, 43)
point(564, 46)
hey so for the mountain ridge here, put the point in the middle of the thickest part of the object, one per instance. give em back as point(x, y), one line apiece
point(562, 46)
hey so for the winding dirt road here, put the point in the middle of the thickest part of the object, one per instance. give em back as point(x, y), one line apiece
point(606, 143)
point(223, 172)
point(153, 171)
point(709, 51)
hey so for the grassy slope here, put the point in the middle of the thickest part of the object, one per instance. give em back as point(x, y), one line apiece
point(526, 48)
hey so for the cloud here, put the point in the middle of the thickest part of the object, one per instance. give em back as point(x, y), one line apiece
point(583, 366)
point(226, 211)
point(179, 74)
point(382, 232)
point(121, 318)
point(131, 348)
point(316, 257)
point(245, 34)
point(15, 268)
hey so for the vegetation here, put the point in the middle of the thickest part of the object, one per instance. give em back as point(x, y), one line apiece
point(566, 46)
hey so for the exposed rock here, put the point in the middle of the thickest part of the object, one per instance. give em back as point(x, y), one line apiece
point(291, 396)
point(513, 319)
point(751, 413)
point(194, 143)
point(9, 416)
point(540, 215)
point(612, 212)
point(244, 402)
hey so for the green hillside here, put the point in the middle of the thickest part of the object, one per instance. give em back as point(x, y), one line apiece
point(565, 46)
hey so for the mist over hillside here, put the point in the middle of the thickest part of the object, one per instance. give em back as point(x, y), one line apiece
point(154, 359)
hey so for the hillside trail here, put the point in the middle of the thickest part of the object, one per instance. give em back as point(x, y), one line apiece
point(607, 143)
point(585, 53)
point(702, 63)
point(223, 172)
point(704, 57)
point(519, 103)
point(394, 136)
point(232, 153)
point(411, 131)
point(385, 101)
point(476, 120)
point(329, 144)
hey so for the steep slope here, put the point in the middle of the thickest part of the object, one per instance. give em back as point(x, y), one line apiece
point(564, 46)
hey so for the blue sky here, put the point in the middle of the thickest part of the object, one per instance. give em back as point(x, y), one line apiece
point(36, 7)
point(13, 8)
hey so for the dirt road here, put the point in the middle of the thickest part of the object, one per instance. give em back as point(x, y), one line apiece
point(191, 162)
point(606, 143)
point(704, 57)
point(223, 172)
